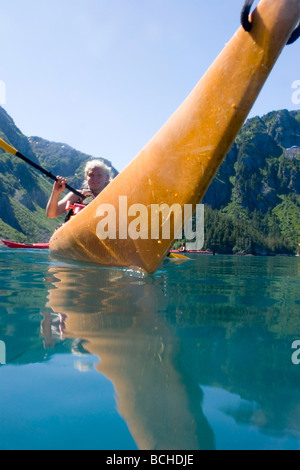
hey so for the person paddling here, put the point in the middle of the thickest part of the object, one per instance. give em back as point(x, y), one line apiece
point(97, 177)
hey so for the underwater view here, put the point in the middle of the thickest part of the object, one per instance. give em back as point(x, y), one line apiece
point(203, 354)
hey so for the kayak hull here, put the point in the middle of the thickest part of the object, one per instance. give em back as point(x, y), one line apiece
point(178, 164)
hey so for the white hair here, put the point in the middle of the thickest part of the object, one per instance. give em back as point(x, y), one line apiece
point(98, 164)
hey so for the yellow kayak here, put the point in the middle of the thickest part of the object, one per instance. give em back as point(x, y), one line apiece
point(175, 168)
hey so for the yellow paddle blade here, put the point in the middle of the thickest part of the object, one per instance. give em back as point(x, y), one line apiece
point(176, 255)
point(8, 148)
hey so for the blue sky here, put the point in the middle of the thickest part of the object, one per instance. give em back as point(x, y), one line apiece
point(104, 75)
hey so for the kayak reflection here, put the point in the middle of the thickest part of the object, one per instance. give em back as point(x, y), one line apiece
point(114, 314)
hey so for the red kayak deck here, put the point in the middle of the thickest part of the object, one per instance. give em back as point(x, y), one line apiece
point(193, 251)
point(41, 246)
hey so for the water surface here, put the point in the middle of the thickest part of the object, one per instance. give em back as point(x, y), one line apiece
point(196, 356)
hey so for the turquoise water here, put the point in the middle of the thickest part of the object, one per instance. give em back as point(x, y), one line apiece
point(196, 356)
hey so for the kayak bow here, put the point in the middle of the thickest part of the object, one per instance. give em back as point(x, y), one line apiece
point(193, 143)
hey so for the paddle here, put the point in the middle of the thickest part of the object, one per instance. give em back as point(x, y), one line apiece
point(176, 255)
point(9, 149)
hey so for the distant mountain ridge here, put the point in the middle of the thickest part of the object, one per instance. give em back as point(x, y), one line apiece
point(251, 206)
point(61, 159)
point(255, 193)
point(262, 165)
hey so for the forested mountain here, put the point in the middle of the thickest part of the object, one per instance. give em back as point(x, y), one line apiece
point(252, 205)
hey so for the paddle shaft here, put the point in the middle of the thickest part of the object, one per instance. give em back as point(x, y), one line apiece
point(8, 148)
point(47, 173)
